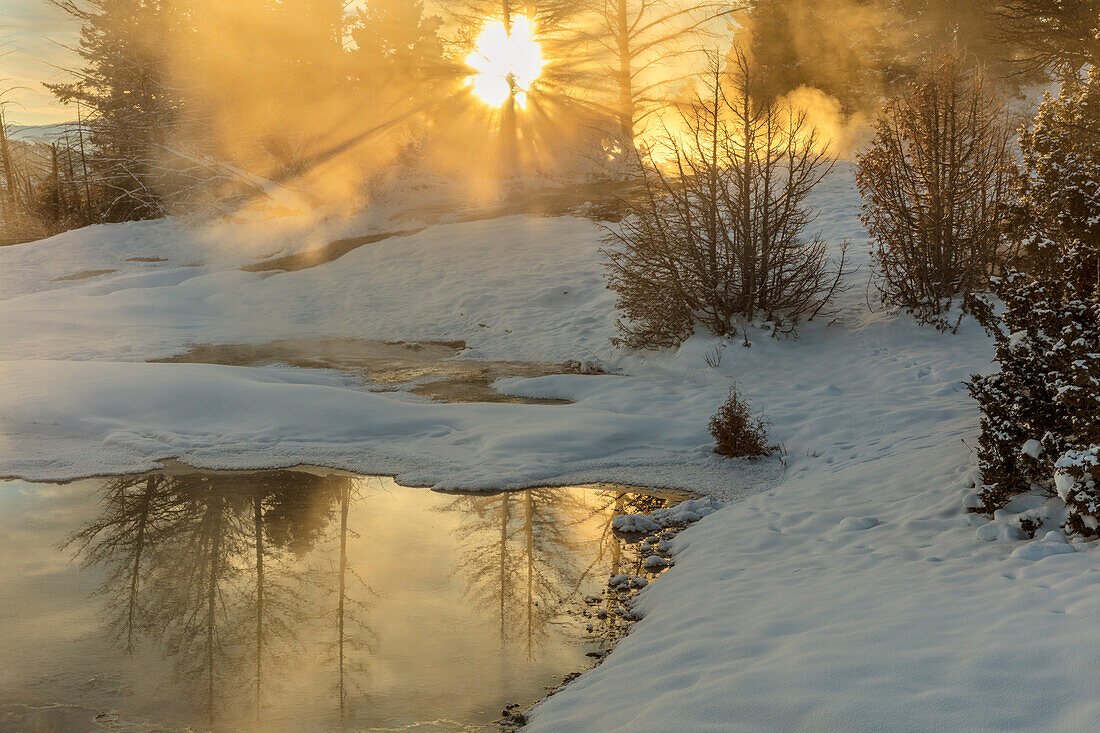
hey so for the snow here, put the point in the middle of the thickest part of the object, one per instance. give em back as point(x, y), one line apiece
point(1032, 448)
point(1063, 483)
point(841, 585)
point(634, 523)
point(618, 581)
point(686, 512)
point(1052, 543)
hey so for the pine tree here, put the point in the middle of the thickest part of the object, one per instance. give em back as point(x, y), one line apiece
point(398, 50)
point(1040, 425)
point(845, 48)
point(1061, 193)
point(1052, 33)
point(133, 108)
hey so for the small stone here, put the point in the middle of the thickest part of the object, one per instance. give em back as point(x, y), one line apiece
point(655, 562)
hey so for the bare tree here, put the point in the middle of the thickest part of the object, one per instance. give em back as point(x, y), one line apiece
point(721, 234)
point(643, 34)
point(937, 181)
point(40, 191)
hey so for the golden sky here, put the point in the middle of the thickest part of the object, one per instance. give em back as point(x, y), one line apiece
point(34, 35)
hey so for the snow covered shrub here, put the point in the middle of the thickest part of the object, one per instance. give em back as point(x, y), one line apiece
point(720, 234)
point(1030, 525)
point(1021, 402)
point(737, 430)
point(937, 183)
point(1041, 411)
point(1075, 480)
point(1061, 185)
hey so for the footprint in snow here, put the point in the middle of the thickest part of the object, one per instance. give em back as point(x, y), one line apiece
point(855, 524)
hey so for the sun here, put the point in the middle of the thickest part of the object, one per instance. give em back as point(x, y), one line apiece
point(507, 62)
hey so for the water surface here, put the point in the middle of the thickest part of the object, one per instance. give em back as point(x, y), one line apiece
point(297, 600)
point(426, 368)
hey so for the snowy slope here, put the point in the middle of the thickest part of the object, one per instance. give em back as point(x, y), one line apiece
point(849, 590)
point(857, 594)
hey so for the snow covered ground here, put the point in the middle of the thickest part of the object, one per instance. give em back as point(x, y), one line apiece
point(844, 587)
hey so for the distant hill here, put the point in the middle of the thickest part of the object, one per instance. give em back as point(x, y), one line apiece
point(39, 133)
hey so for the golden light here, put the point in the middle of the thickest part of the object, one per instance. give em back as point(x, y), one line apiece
point(507, 63)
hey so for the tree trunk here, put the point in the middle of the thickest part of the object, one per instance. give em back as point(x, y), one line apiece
point(624, 78)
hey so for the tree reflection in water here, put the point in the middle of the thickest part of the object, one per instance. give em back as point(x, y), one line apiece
point(519, 556)
point(615, 554)
point(247, 579)
point(529, 554)
point(189, 557)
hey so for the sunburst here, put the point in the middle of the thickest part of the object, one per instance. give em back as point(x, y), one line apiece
point(507, 61)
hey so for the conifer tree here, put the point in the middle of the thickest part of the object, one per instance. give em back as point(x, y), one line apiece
point(1061, 193)
point(1040, 425)
point(398, 49)
point(1052, 33)
point(133, 108)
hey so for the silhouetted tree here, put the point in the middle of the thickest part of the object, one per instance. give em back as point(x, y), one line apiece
point(1052, 33)
point(44, 188)
point(133, 108)
point(849, 49)
point(398, 49)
